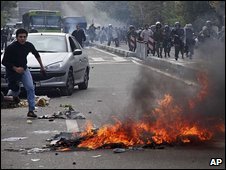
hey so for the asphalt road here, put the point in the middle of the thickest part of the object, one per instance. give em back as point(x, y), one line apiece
point(117, 87)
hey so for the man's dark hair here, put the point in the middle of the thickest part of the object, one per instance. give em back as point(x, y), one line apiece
point(21, 31)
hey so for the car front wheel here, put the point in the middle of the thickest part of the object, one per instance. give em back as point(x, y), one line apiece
point(68, 90)
point(84, 84)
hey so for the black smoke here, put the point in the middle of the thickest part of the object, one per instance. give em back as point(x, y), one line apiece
point(208, 112)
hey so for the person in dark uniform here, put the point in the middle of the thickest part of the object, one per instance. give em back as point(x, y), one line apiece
point(79, 35)
point(167, 41)
point(4, 37)
point(15, 61)
point(158, 38)
point(207, 32)
point(189, 40)
point(178, 40)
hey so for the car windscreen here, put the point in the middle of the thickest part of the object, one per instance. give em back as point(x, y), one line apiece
point(48, 43)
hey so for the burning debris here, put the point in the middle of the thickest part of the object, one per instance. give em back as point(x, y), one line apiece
point(168, 124)
point(66, 141)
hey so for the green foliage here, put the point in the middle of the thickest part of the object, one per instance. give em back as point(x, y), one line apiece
point(6, 6)
point(146, 12)
point(167, 12)
point(172, 13)
point(115, 9)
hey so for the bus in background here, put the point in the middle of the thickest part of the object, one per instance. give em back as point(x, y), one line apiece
point(42, 20)
point(69, 23)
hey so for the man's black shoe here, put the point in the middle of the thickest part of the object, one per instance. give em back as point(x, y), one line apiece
point(31, 114)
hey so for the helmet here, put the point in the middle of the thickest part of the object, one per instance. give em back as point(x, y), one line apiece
point(158, 24)
point(109, 25)
point(166, 27)
point(153, 27)
point(131, 27)
point(189, 26)
point(177, 24)
point(208, 23)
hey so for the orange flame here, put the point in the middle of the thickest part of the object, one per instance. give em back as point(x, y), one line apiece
point(169, 126)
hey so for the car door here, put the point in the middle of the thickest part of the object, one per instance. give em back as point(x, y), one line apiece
point(78, 66)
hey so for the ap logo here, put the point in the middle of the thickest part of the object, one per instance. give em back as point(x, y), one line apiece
point(216, 161)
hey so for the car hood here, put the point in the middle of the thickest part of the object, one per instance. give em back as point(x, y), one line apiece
point(47, 58)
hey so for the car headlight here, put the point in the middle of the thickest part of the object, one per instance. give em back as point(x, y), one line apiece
point(55, 66)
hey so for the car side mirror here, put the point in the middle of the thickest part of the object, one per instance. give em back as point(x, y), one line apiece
point(77, 52)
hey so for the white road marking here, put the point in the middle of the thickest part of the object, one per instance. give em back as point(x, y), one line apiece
point(45, 131)
point(134, 58)
point(111, 62)
point(97, 59)
point(105, 52)
point(72, 126)
point(119, 59)
point(167, 74)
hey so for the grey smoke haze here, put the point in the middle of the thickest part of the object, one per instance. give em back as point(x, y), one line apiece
point(213, 52)
point(87, 9)
point(148, 88)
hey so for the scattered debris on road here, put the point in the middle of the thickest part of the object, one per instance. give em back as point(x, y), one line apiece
point(68, 113)
point(29, 121)
point(119, 150)
point(9, 102)
point(35, 160)
point(12, 139)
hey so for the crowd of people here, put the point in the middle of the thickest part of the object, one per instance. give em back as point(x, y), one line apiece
point(158, 37)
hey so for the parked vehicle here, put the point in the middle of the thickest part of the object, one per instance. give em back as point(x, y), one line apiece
point(65, 61)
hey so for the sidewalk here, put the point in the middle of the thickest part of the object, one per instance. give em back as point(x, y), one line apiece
point(121, 50)
point(124, 48)
point(184, 68)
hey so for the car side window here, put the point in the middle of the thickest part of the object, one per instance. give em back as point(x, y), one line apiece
point(76, 43)
point(72, 44)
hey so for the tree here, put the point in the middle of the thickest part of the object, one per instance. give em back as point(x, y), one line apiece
point(167, 12)
point(172, 13)
point(219, 8)
point(198, 12)
point(6, 6)
point(147, 12)
point(117, 10)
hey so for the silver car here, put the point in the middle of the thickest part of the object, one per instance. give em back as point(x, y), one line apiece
point(65, 61)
